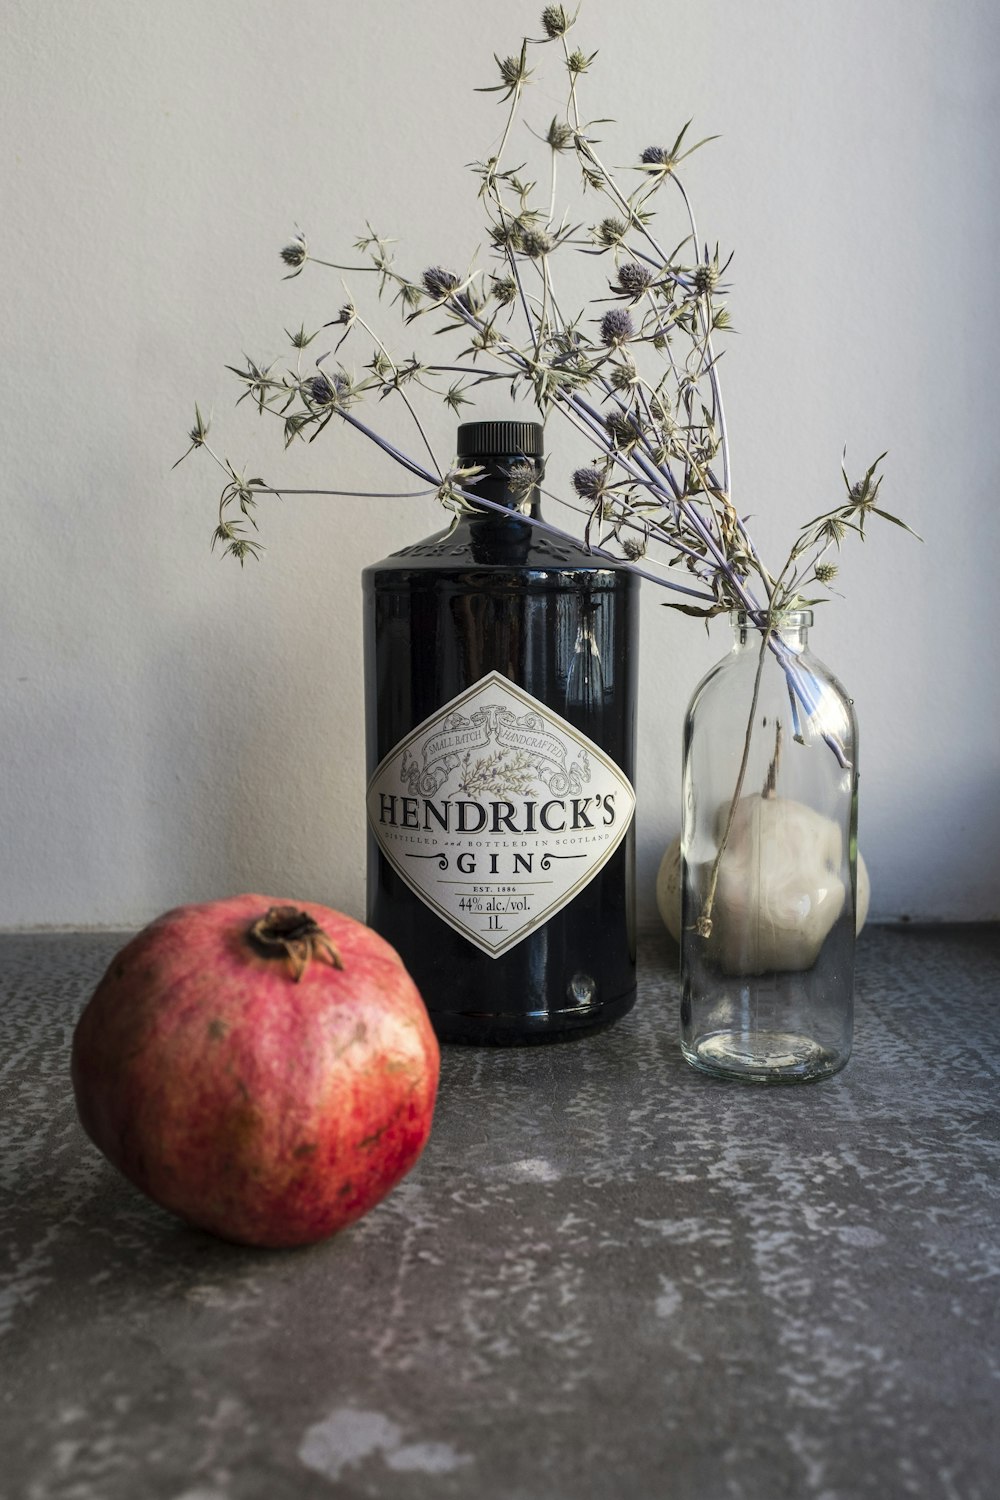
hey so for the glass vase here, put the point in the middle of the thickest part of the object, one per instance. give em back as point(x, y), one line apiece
point(768, 861)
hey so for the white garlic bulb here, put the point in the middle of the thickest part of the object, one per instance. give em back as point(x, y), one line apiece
point(779, 890)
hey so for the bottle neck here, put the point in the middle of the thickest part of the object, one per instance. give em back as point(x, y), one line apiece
point(510, 480)
point(791, 628)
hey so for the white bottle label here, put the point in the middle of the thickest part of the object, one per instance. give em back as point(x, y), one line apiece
point(496, 812)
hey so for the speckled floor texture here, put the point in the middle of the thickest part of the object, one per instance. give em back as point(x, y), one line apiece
point(609, 1276)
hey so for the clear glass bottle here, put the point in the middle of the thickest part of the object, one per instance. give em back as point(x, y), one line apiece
point(768, 862)
point(501, 678)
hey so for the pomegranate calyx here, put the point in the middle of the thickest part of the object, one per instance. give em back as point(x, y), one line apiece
point(286, 932)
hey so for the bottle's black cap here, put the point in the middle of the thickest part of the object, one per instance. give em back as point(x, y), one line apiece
point(484, 439)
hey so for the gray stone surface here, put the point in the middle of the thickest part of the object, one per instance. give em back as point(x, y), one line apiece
point(607, 1277)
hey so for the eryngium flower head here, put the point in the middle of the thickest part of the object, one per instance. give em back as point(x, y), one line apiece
point(706, 276)
point(655, 156)
point(555, 21)
point(633, 548)
point(296, 254)
point(633, 278)
point(325, 390)
point(199, 432)
point(511, 71)
point(535, 243)
point(588, 483)
point(504, 289)
point(521, 479)
point(826, 572)
point(438, 283)
point(610, 231)
point(617, 326)
point(622, 428)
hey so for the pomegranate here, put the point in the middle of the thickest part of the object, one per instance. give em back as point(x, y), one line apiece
point(265, 1070)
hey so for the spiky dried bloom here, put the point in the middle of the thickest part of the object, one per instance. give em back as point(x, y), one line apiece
point(656, 156)
point(522, 478)
point(617, 326)
point(610, 232)
point(319, 390)
point(588, 483)
point(512, 70)
point(633, 279)
point(300, 339)
point(535, 243)
point(504, 289)
point(706, 277)
point(438, 283)
point(826, 572)
point(624, 377)
point(555, 22)
point(199, 432)
point(623, 428)
point(296, 252)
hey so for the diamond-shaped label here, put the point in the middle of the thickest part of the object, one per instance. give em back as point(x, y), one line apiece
point(497, 812)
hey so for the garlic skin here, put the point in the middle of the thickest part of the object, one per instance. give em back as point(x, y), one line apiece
point(776, 900)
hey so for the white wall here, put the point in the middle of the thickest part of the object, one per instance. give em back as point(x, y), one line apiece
point(172, 728)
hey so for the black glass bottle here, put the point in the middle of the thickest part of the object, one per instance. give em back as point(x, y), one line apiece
point(500, 671)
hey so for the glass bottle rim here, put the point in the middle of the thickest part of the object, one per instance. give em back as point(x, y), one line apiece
point(789, 619)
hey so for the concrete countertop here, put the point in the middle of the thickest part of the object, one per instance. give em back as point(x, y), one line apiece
point(608, 1276)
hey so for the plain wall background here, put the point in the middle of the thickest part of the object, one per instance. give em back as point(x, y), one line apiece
point(174, 729)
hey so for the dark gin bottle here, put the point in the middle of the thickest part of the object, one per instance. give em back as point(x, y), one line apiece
point(500, 676)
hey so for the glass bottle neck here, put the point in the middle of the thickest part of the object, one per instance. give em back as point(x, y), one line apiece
point(791, 628)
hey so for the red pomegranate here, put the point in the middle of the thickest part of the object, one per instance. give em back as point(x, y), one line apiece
point(265, 1070)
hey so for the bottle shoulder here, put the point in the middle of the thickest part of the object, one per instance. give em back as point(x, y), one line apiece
point(733, 682)
point(496, 545)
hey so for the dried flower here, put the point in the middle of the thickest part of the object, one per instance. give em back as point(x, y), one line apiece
point(555, 21)
point(588, 483)
point(610, 232)
point(301, 339)
point(826, 572)
point(320, 390)
point(510, 71)
point(617, 326)
point(522, 478)
point(655, 156)
point(295, 254)
point(706, 277)
point(326, 390)
point(438, 283)
point(504, 289)
point(535, 243)
point(623, 428)
point(514, 72)
point(560, 135)
point(633, 279)
point(196, 436)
